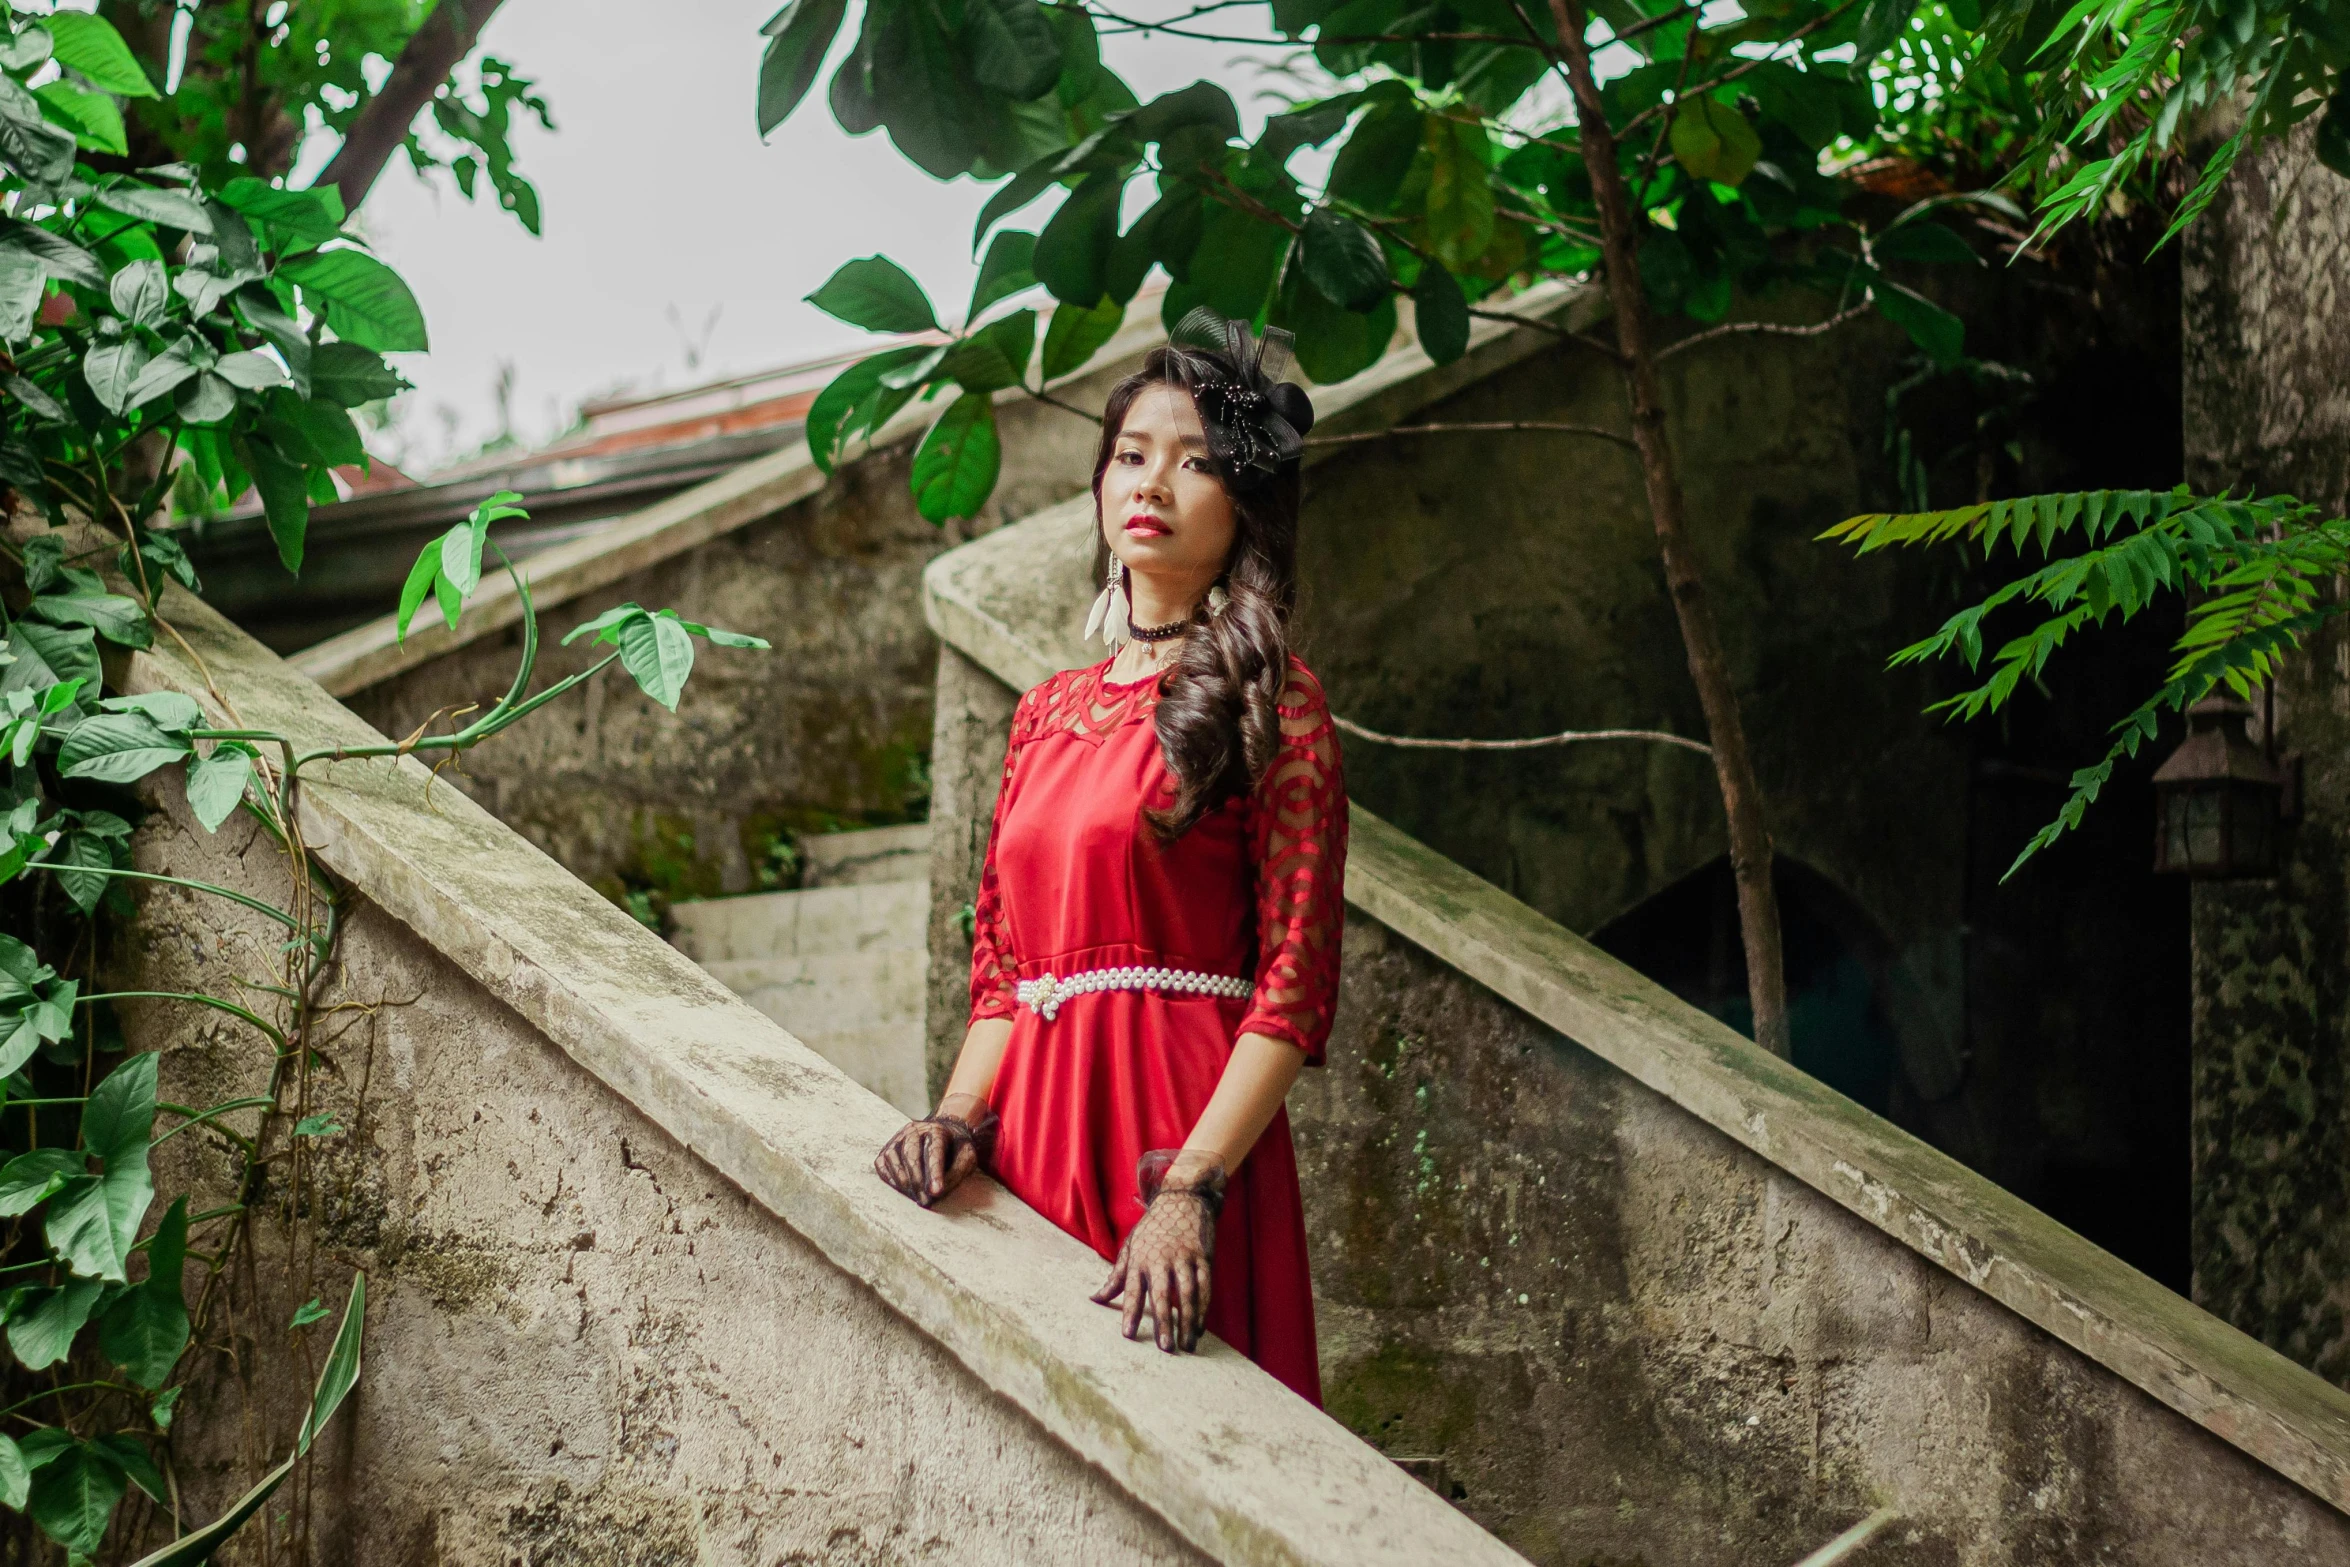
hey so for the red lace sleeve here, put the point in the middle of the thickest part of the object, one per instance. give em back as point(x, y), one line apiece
point(1297, 840)
point(994, 966)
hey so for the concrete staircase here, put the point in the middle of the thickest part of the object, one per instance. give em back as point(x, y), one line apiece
point(842, 962)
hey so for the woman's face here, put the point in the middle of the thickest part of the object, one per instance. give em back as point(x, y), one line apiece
point(1164, 511)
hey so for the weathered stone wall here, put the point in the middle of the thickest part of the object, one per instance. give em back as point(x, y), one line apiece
point(829, 730)
point(2268, 407)
point(1615, 1335)
point(583, 1345)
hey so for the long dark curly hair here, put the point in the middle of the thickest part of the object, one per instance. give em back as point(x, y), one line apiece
point(1218, 719)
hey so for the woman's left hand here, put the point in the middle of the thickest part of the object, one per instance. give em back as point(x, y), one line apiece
point(1166, 1266)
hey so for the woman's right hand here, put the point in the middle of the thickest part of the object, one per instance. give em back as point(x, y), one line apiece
point(929, 1158)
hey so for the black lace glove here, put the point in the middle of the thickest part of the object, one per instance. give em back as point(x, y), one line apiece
point(1166, 1266)
point(931, 1157)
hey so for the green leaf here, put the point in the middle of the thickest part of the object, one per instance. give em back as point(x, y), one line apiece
point(161, 1410)
point(30, 1179)
point(350, 376)
point(720, 638)
point(996, 356)
point(1713, 141)
point(798, 36)
point(1926, 242)
point(1014, 48)
point(90, 45)
point(15, 1479)
point(97, 123)
point(855, 401)
point(366, 302)
point(42, 1333)
point(217, 783)
point(1371, 164)
point(112, 369)
point(956, 465)
point(1343, 261)
point(1334, 344)
point(250, 369)
point(421, 578)
point(1073, 253)
point(607, 626)
point(1074, 336)
point(2333, 134)
point(1440, 311)
point(167, 1252)
point(1005, 272)
point(69, 655)
point(139, 292)
point(119, 1118)
point(932, 109)
point(58, 256)
point(117, 748)
point(169, 209)
point(73, 1496)
point(327, 1125)
point(658, 652)
point(1934, 329)
point(171, 709)
point(341, 1372)
point(144, 1332)
point(206, 400)
point(1460, 193)
point(136, 1462)
point(876, 294)
point(311, 216)
point(119, 620)
point(22, 286)
point(41, 152)
point(311, 1310)
point(461, 558)
point(285, 497)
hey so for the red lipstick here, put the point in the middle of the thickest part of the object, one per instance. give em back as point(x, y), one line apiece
point(1145, 526)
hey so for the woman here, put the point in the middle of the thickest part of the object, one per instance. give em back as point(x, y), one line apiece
point(1156, 950)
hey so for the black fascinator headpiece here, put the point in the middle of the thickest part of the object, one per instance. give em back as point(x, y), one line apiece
point(1256, 422)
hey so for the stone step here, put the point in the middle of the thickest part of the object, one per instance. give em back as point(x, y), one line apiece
point(862, 1011)
point(875, 854)
point(858, 917)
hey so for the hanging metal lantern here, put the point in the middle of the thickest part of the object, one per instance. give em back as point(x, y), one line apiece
point(2218, 799)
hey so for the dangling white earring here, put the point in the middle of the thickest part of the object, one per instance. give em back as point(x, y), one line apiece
point(1218, 600)
point(1110, 615)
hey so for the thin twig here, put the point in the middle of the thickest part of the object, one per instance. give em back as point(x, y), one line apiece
point(1474, 427)
point(1604, 350)
point(1050, 400)
point(1570, 737)
point(1762, 329)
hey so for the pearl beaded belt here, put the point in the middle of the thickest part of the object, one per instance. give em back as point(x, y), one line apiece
point(1045, 995)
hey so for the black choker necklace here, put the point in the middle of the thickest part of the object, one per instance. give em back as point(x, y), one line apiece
point(1173, 628)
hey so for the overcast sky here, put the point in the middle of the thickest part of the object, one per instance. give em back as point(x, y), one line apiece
point(676, 248)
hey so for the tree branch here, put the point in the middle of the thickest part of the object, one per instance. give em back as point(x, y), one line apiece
point(1570, 737)
point(1475, 426)
point(1762, 329)
point(431, 53)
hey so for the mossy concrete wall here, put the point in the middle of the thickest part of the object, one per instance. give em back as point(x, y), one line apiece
point(1615, 1335)
point(2268, 408)
point(830, 730)
point(584, 1345)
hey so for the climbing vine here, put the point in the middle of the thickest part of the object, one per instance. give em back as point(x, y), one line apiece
point(101, 1357)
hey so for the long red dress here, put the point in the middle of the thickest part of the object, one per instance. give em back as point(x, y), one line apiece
point(1074, 882)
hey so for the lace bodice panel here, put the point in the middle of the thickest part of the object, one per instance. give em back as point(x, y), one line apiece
point(1290, 837)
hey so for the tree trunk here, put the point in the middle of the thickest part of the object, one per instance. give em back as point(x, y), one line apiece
point(1742, 801)
point(431, 53)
